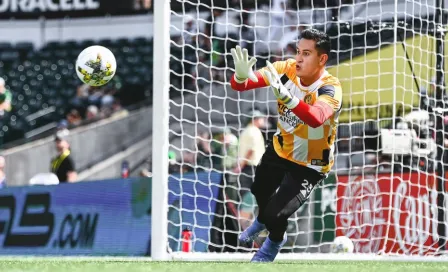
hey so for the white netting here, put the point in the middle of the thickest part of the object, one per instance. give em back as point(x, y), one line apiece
point(382, 191)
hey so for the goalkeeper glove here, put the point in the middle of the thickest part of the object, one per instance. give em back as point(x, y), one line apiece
point(280, 91)
point(243, 66)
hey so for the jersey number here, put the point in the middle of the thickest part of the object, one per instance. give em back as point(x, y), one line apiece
point(326, 156)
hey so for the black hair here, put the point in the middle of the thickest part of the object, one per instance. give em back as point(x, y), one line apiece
point(323, 44)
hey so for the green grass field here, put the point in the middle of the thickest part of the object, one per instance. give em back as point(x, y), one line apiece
point(131, 265)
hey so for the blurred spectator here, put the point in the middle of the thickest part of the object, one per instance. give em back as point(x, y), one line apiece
point(204, 151)
point(145, 173)
point(83, 90)
point(82, 94)
point(145, 169)
point(246, 210)
point(335, 6)
point(125, 169)
point(229, 149)
point(95, 95)
point(74, 118)
point(62, 128)
point(94, 103)
point(2, 172)
point(251, 149)
point(105, 112)
point(235, 207)
point(224, 151)
point(210, 22)
point(117, 110)
point(247, 34)
point(251, 145)
point(142, 4)
point(92, 112)
point(210, 41)
point(108, 98)
point(190, 31)
point(288, 40)
point(62, 125)
point(204, 72)
point(281, 18)
point(63, 165)
point(5, 97)
point(173, 166)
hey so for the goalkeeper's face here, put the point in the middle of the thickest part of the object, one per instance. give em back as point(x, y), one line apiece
point(309, 62)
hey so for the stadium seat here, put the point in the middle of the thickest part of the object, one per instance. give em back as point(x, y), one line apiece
point(70, 45)
point(24, 49)
point(9, 56)
point(85, 44)
point(52, 45)
point(140, 41)
point(61, 54)
point(144, 50)
point(123, 41)
point(105, 42)
point(4, 46)
point(35, 104)
point(24, 46)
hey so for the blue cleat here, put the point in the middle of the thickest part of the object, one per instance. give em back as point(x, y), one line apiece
point(268, 251)
point(252, 232)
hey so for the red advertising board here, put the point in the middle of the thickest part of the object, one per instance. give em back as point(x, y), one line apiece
point(388, 213)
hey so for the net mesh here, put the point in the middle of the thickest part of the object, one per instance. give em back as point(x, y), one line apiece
point(382, 192)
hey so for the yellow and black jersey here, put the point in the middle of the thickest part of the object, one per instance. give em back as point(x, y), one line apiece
point(297, 141)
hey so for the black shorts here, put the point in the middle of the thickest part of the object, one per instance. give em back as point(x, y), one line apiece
point(274, 169)
point(280, 188)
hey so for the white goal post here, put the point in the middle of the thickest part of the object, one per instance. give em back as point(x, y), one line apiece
point(159, 230)
point(387, 190)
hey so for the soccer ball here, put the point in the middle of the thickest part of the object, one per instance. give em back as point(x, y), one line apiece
point(96, 65)
point(342, 244)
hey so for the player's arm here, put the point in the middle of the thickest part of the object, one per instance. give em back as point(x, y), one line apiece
point(328, 102)
point(247, 84)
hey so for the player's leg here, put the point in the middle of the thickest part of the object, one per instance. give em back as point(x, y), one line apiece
point(293, 192)
point(268, 176)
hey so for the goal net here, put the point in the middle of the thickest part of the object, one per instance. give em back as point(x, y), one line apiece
point(387, 188)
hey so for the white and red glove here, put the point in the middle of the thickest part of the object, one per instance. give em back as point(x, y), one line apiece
point(243, 66)
point(280, 91)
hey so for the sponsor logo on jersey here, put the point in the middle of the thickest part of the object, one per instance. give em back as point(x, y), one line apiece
point(308, 99)
point(287, 116)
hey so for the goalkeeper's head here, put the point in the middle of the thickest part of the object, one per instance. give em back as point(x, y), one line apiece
point(313, 50)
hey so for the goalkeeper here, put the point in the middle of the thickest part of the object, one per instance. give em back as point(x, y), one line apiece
point(301, 153)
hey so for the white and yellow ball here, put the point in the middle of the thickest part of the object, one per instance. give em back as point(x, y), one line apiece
point(342, 244)
point(96, 65)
